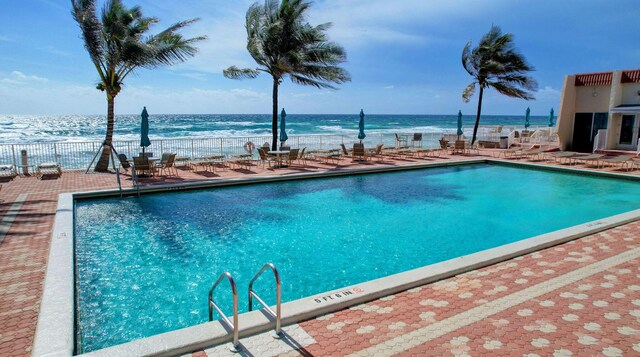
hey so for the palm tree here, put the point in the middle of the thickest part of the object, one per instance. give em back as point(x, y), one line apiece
point(283, 43)
point(118, 44)
point(497, 64)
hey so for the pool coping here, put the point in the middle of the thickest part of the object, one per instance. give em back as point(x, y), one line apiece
point(56, 321)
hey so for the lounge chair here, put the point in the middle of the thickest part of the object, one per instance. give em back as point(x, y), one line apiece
point(534, 153)
point(331, 155)
point(8, 171)
point(589, 159)
point(509, 152)
point(560, 155)
point(622, 160)
point(48, 168)
point(124, 163)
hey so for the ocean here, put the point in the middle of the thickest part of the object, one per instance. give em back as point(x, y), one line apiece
point(25, 129)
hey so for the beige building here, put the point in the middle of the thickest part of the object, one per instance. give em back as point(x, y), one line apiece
point(600, 111)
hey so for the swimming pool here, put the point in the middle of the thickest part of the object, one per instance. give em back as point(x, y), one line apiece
point(144, 266)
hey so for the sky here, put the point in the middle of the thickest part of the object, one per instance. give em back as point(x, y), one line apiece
point(404, 56)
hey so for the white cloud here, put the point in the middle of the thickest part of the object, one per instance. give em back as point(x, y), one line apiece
point(548, 93)
point(389, 87)
point(17, 77)
point(5, 39)
point(54, 51)
point(366, 22)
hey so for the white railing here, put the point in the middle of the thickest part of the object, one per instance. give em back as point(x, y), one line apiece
point(78, 155)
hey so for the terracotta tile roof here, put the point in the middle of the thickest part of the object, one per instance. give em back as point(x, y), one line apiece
point(632, 76)
point(594, 79)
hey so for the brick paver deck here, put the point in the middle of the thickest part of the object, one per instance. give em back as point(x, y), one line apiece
point(592, 307)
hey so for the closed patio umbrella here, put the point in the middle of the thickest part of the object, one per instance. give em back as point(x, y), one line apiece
point(144, 130)
point(361, 134)
point(283, 133)
point(551, 118)
point(526, 118)
point(460, 132)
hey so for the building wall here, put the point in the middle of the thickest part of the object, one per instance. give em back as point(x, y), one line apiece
point(630, 93)
point(595, 99)
point(585, 101)
point(566, 112)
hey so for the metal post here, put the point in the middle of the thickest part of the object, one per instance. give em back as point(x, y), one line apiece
point(24, 160)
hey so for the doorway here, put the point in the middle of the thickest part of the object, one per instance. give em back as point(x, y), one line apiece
point(627, 132)
point(585, 128)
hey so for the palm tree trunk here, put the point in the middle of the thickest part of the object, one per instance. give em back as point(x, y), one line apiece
point(475, 127)
point(274, 121)
point(103, 162)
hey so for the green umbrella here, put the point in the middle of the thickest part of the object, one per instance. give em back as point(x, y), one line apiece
point(283, 134)
point(144, 130)
point(551, 118)
point(460, 132)
point(526, 118)
point(361, 134)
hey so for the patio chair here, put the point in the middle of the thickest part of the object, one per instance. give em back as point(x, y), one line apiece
point(163, 161)
point(301, 157)
point(147, 154)
point(444, 145)
point(264, 158)
point(142, 166)
point(167, 165)
point(346, 152)
point(459, 147)
point(285, 148)
point(377, 152)
point(400, 140)
point(417, 140)
point(293, 156)
point(622, 160)
point(359, 153)
point(475, 147)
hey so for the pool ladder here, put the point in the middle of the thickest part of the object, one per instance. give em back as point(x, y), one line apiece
point(252, 294)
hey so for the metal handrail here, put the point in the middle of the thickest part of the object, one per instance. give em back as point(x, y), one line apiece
point(213, 305)
point(277, 314)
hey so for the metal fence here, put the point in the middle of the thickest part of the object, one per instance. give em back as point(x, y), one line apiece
point(78, 155)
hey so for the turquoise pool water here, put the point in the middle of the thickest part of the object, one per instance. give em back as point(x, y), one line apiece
point(144, 266)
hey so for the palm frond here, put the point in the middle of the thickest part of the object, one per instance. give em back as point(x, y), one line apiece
point(468, 92)
point(234, 72)
point(496, 63)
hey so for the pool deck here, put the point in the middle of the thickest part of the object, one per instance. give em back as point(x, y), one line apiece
point(579, 298)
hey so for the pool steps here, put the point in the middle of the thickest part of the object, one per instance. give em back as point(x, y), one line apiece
point(235, 346)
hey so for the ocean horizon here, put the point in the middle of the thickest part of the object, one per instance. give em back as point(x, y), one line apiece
point(24, 129)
